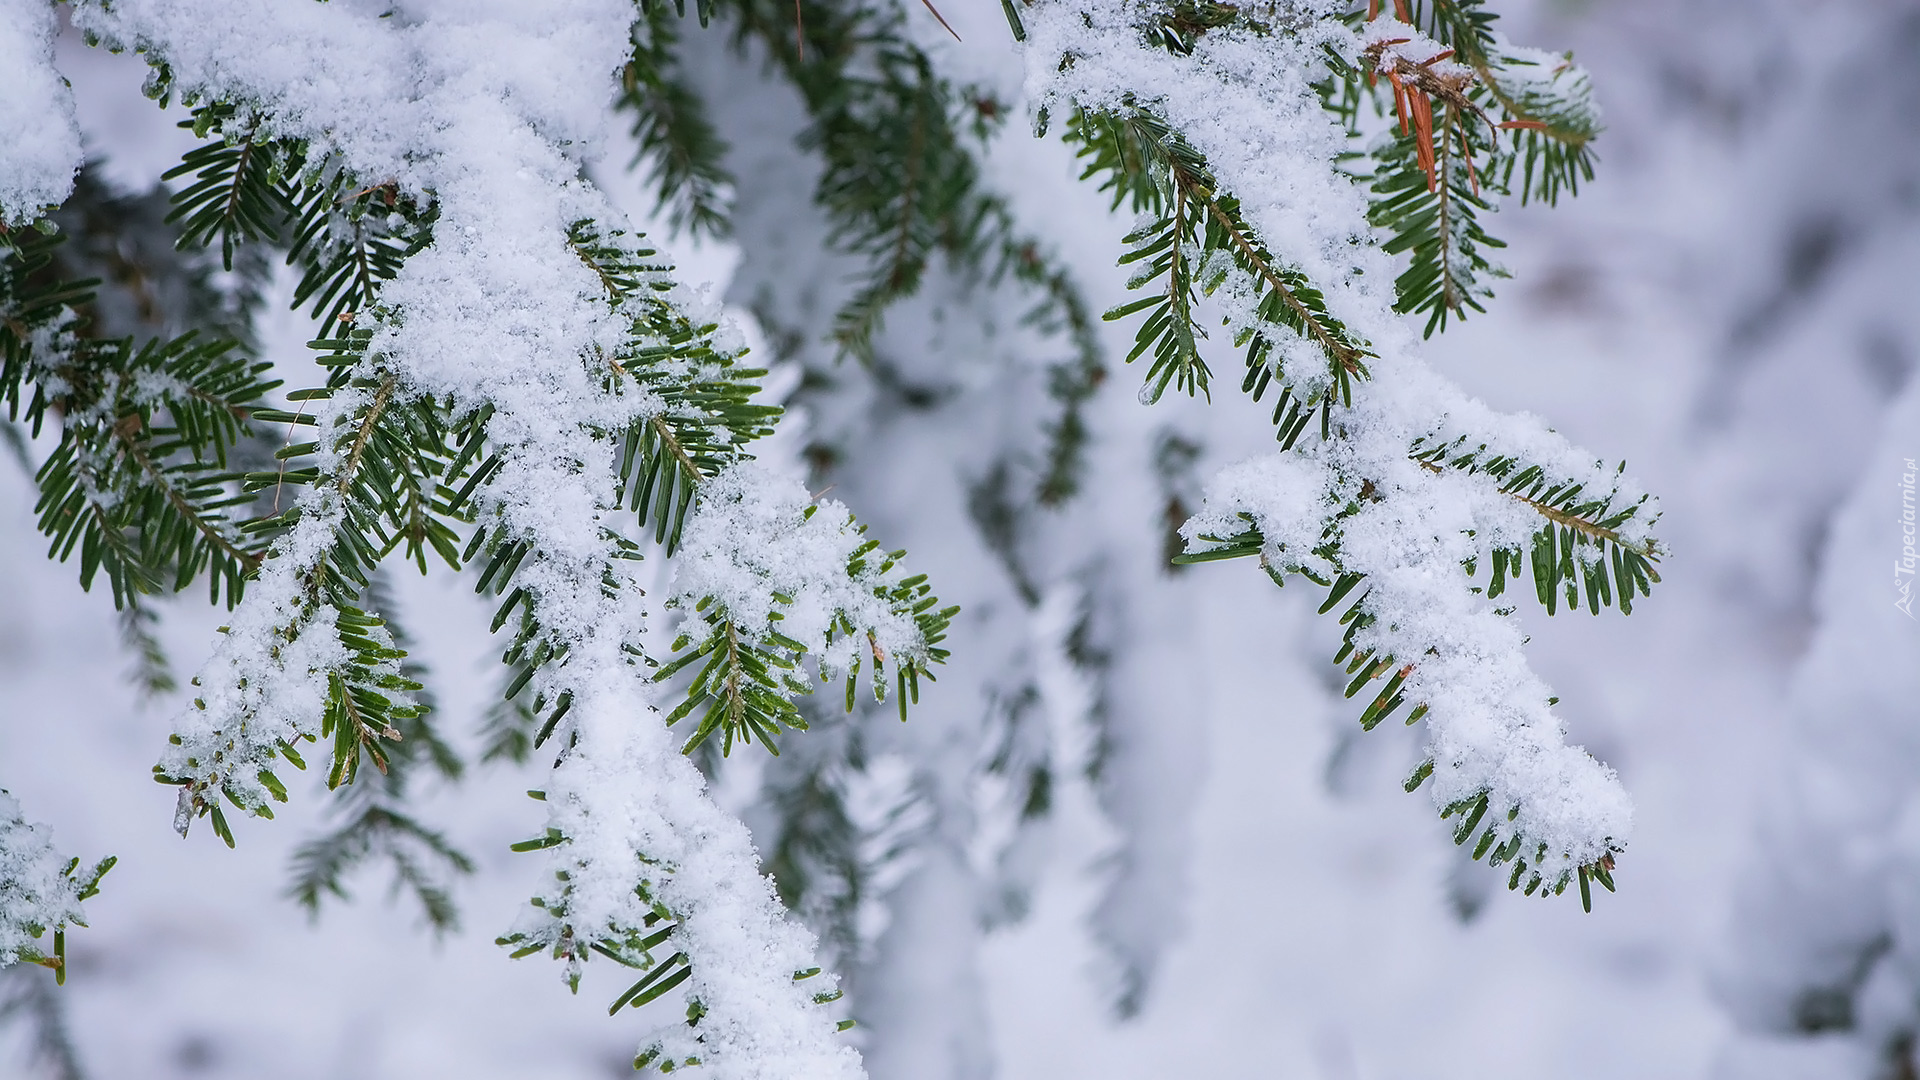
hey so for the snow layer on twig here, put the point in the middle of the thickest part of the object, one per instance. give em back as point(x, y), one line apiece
point(761, 548)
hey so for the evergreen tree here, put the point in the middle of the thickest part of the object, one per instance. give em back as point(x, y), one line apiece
point(512, 383)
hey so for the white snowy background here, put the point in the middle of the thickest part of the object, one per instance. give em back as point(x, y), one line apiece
point(1730, 307)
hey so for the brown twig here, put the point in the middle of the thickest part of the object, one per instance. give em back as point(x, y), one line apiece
point(943, 20)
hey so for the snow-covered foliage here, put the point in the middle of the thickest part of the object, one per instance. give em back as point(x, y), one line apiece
point(40, 893)
point(1245, 99)
point(516, 383)
point(36, 116)
point(1725, 305)
point(644, 853)
point(1491, 730)
point(1411, 479)
point(529, 329)
point(758, 545)
point(763, 567)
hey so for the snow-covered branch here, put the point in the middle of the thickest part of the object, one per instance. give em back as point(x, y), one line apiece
point(770, 576)
point(39, 892)
point(552, 341)
point(1218, 122)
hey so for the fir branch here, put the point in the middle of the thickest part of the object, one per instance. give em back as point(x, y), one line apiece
point(709, 414)
point(152, 675)
point(1305, 312)
point(672, 131)
point(1554, 123)
point(1509, 837)
point(239, 193)
point(902, 182)
point(321, 865)
point(744, 693)
point(1438, 223)
point(28, 997)
point(1592, 544)
point(904, 223)
point(383, 447)
point(44, 893)
point(1594, 537)
point(753, 618)
point(423, 860)
point(1147, 161)
point(669, 459)
point(307, 658)
point(125, 434)
point(136, 481)
point(1447, 163)
point(1545, 100)
point(349, 242)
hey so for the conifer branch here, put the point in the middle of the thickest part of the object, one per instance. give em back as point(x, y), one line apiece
point(1349, 357)
point(374, 829)
point(44, 893)
point(364, 428)
point(902, 180)
point(1298, 511)
point(237, 194)
point(672, 131)
point(208, 527)
point(1144, 157)
point(626, 408)
point(664, 432)
point(28, 995)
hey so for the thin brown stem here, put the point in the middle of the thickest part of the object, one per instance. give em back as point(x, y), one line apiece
point(673, 446)
point(1344, 352)
point(364, 436)
point(1590, 530)
point(248, 561)
point(736, 702)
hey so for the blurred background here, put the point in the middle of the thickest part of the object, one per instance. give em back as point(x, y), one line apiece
point(1228, 879)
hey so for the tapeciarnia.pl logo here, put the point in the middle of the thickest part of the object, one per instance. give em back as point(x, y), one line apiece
point(1903, 567)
